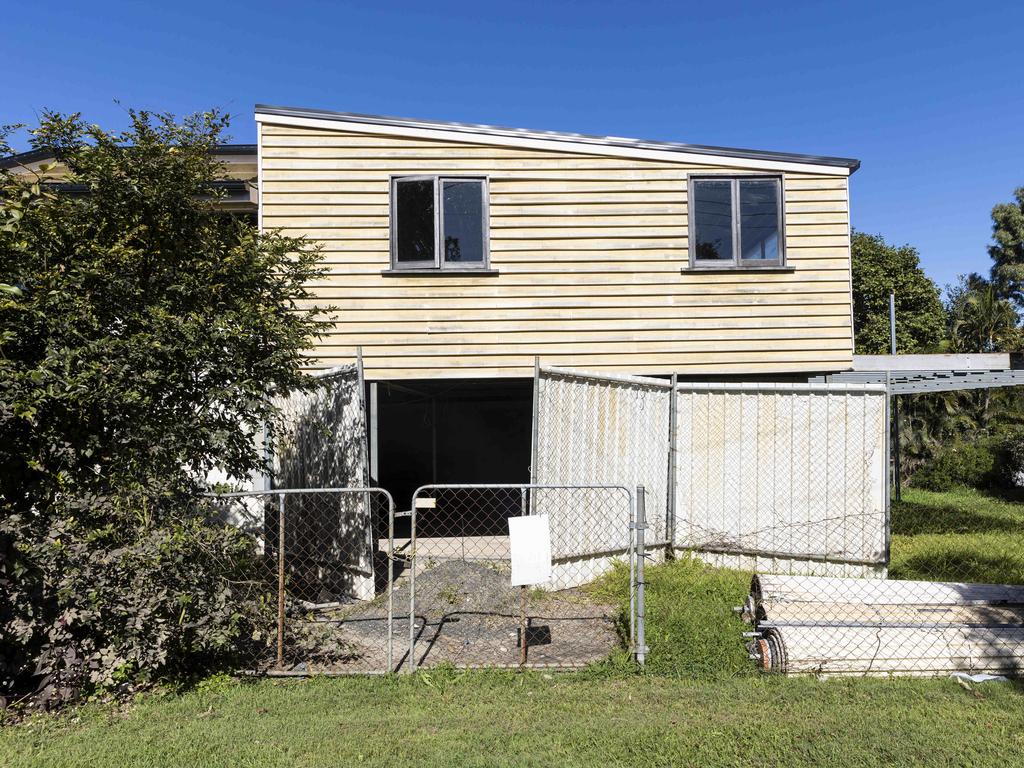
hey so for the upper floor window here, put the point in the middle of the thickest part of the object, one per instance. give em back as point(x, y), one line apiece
point(736, 222)
point(438, 222)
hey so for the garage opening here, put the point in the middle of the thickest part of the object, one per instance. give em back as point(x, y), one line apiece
point(453, 431)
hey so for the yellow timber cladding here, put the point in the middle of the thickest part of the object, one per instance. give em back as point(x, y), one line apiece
point(589, 251)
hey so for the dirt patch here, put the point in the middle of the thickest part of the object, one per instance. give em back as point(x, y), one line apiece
point(467, 614)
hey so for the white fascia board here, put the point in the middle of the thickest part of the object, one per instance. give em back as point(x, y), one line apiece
point(580, 146)
point(981, 361)
point(259, 176)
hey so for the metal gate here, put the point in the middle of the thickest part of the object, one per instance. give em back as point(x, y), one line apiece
point(306, 607)
point(442, 593)
point(467, 612)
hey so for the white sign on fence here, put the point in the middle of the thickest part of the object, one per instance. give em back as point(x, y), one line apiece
point(530, 542)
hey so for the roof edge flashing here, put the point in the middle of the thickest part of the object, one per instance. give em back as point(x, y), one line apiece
point(850, 165)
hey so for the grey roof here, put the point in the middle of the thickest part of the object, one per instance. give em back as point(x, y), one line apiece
point(37, 155)
point(610, 141)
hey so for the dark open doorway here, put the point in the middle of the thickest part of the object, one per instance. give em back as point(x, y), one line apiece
point(460, 431)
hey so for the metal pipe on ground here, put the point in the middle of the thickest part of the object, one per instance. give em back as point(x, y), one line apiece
point(825, 625)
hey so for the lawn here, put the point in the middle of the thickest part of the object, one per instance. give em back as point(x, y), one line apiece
point(467, 719)
point(959, 535)
point(700, 702)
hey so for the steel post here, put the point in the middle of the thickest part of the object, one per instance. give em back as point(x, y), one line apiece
point(280, 582)
point(641, 556)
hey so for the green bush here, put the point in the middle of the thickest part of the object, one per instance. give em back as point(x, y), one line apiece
point(110, 594)
point(990, 462)
point(1010, 469)
point(144, 333)
point(972, 464)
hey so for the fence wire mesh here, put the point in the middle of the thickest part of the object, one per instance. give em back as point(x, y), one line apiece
point(468, 613)
point(606, 429)
point(321, 587)
point(783, 477)
point(319, 437)
point(830, 625)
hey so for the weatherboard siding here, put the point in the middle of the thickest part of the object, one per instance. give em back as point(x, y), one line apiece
point(588, 249)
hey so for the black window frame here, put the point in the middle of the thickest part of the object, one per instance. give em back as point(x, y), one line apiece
point(736, 262)
point(439, 264)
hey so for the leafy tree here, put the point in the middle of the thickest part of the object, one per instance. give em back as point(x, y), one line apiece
point(141, 342)
point(1007, 251)
point(878, 269)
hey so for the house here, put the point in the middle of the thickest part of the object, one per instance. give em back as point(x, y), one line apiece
point(238, 185)
point(457, 254)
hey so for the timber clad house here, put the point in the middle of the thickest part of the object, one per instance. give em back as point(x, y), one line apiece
point(462, 251)
point(458, 254)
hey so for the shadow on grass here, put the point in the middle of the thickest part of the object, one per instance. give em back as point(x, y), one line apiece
point(963, 559)
point(965, 512)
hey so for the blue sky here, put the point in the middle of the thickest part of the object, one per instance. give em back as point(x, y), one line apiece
point(930, 96)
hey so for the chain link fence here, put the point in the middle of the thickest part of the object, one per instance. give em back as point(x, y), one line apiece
point(606, 429)
point(841, 626)
point(320, 594)
point(951, 602)
point(783, 478)
point(790, 482)
point(319, 438)
point(467, 612)
point(337, 583)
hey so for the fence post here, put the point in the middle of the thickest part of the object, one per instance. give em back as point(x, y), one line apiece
point(412, 585)
point(889, 472)
point(641, 556)
point(280, 582)
point(391, 583)
point(535, 421)
point(672, 458)
point(632, 574)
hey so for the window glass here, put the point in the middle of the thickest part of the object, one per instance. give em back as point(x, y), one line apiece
point(759, 219)
point(711, 209)
point(463, 208)
point(414, 225)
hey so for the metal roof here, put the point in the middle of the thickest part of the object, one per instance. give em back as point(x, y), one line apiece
point(918, 382)
point(916, 374)
point(568, 138)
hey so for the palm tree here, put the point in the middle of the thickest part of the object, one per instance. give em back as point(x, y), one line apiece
point(983, 322)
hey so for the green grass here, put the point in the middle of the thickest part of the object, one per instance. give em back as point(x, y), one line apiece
point(958, 535)
point(471, 719)
point(692, 630)
point(699, 701)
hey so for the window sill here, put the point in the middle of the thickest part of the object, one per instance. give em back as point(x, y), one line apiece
point(439, 272)
point(742, 268)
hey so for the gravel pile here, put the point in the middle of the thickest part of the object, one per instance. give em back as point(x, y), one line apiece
point(467, 614)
